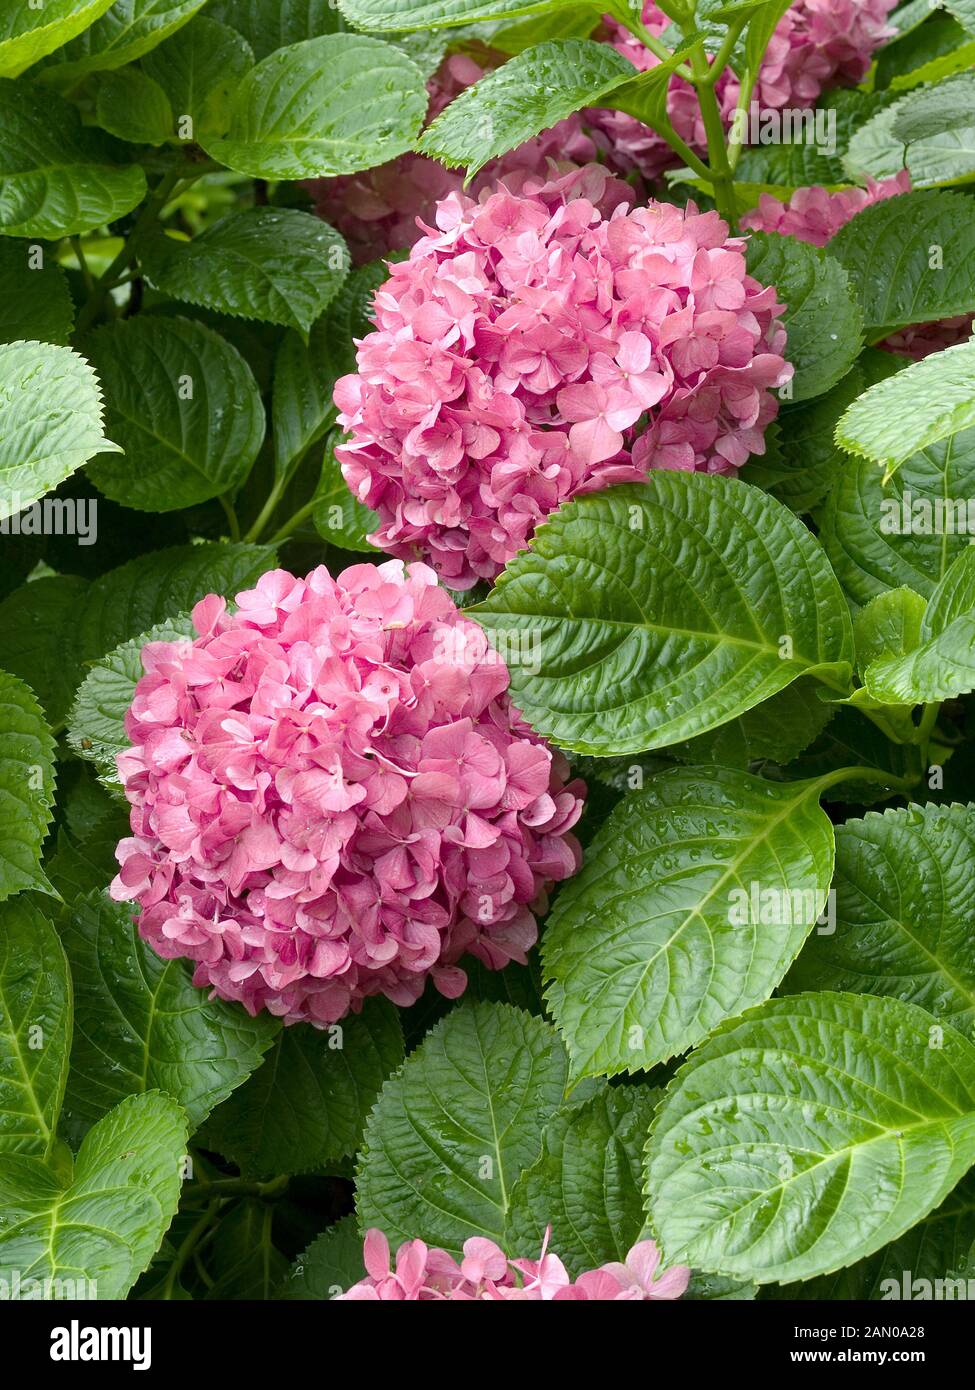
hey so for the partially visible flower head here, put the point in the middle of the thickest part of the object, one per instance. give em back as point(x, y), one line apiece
point(546, 341)
point(333, 797)
point(378, 211)
point(425, 1275)
point(815, 215)
point(817, 44)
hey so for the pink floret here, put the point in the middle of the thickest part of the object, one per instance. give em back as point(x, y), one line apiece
point(546, 341)
point(333, 796)
point(425, 1275)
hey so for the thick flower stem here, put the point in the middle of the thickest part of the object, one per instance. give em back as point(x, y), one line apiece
point(722, 178)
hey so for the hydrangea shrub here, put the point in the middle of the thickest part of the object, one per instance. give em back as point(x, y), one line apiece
point(486, 503)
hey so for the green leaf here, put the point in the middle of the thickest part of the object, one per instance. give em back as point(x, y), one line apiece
point(306, 1105)
point(890, 625)
point(141, 1025)
point(338, 516)
point(56, 177)
point(528, 94)
point(271, 24)
point(908, 531)
point(942, 665)
point(77, 867)
point(35, 1028)
point(164, 584)
point(103, 1222)
point(904, 913)
point(330, 1265)
point(948, 105)
point(96, 724)
point(931, 1250)
point(34, 303)
point(26, 787)
point(28, 32)
point(129, 29)
point(778, 730)
point(404, 15)
point(823, 319)
point(50, 421)
point(911, 259)
point(38, 637)
point(455, 1126)
point(850, 740)
point(928, 401)
point(199, 69)
point(803, 460)
point(586, 1182)
point(808, 1134)
point(293, 119)
point(135, 108)
point(695, 898)
point(185, 407)
point(247, 1263)
point(305, 372)
point(627, 592)
point(273, 264)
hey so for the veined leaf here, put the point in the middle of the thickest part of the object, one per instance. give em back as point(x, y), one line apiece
point(141, 1025)
point(626, 592)
point(50, 421)
point(907, 531)
point(273, 264)
point(129, 29)
point(35, 1028)
point(456, 1125)
point(39, 639)
point(802, 460)
point(198, 69)
point(307, 1103)
point(822, 318)
point(28, 32)
point(905, 910)
point(96, 724)
point(34, 304)
point(942, 665)
point(890, 625)
point(927, 402)
point(104, 1221)
point(163, 584)
point(327, 106)
point(808, 1134)
point(911, 260)
point(338, 516)
point(184, 405)
point(695, 898)
point(404, 15)
point(133, 107)
point(586, 1182)
point(271, 24)
point(330, 1265)
point(528, 94)
point(26, 787)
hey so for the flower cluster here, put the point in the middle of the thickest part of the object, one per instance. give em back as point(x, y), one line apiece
point(546, 341)
point(422, 1275)
point(815, 215)
point(332, 796)
point(380, 210)
point(817, 44)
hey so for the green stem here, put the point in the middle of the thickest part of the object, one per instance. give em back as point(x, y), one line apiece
point(925, 729)
point(866, 774)
point(196, 1232)
point(639, 30)
point(83, 266)
point(221, 1188)
point(267, 511)
point(722, 180)
point(231, 515)
point(144, 224)
point(723, 56)
point(292, 524)
point(735, 143)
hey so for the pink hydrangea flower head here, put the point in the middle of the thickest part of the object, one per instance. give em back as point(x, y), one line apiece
point(817, 44)
point(815, 215)
point(544, 341)
point(424, 1275)
point(384, 209)
point(333, 797)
